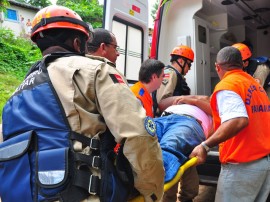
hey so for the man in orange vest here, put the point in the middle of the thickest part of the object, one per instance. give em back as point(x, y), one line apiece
point(241, 114)
point(150, 77)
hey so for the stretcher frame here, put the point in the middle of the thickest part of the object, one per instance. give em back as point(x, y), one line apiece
point(191, 162)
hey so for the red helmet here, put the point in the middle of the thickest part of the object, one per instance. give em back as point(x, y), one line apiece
point(244, 50)
point(52, 17)
point(183, 51)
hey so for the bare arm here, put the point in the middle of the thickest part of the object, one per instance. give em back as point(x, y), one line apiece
point(226, 131)
point(261, 73)
point(200, 101)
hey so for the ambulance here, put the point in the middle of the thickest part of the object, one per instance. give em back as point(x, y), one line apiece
point(204, 25)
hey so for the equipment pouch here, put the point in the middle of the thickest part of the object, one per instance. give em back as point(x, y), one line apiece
point(15, 168)
point(52, 172)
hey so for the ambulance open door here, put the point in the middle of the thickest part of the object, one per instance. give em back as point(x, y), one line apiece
point(128, 20)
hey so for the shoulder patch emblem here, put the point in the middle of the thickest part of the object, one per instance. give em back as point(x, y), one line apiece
point(165, 81)
point(167, 70)
point(141, 92)
point(116, 78)
point(150, 126)
point(166, 76)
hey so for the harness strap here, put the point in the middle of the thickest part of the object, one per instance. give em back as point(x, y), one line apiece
point(91, 160)
point(87, 181)
point(93, 143)
point(181, 85)
point(155, 104)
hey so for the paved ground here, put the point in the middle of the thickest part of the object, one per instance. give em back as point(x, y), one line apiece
point(206, 194)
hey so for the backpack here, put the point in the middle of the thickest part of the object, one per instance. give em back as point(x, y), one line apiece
point(37, 160)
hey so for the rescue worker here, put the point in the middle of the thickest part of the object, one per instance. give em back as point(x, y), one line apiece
point(174, 84)
point(103, 44)
point(239, 107)
point(94, 98)
point(256, 67)
point(150, 77)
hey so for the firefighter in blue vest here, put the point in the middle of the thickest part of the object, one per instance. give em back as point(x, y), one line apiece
point(80, 103)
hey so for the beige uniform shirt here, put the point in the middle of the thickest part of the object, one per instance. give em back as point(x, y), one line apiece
point(168, 84)
point(95, 96)
point(261, 74)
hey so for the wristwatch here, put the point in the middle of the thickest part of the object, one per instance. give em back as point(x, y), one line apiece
point(207, 149)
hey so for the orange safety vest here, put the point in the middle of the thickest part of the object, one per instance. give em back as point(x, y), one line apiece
point(252, 142)
point(142, 94)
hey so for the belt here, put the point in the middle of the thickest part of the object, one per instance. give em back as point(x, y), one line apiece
point(170, 113)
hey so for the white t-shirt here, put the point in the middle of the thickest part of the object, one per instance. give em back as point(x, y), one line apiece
point(196, 112)
point(230, 105)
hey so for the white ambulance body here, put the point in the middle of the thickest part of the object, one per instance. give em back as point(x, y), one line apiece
point(204, 25)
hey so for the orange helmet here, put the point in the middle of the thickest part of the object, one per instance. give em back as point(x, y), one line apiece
point(244, 50)
point(54, 16)
point(183, 51)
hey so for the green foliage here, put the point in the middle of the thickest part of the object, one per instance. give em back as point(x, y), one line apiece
point(37, 3)
point(16, 57)
point(8, 83)
point(3, 5)
point(16, 54)
point(89, 10)
point(154, 10)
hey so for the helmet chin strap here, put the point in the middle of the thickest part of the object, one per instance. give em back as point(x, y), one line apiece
point(182, 67)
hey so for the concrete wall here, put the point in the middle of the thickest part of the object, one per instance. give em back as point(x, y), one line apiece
point(19, 29)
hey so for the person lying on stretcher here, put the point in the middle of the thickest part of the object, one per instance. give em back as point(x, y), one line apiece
point(185, 123)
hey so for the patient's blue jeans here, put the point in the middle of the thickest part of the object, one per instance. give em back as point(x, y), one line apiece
point(178, 135)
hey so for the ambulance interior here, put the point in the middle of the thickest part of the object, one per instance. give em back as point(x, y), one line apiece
point(209, 25)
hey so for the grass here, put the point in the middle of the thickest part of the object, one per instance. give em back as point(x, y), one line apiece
point(8, 83)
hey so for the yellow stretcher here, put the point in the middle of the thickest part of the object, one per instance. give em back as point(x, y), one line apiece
point(168, 185)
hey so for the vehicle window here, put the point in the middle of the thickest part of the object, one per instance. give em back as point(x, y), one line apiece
point(130, 40)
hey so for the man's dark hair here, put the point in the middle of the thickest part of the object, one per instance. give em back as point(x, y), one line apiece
point(100, 35)
point(60, 37)
point(174, 58)
point(148, 68)
point(229, 58)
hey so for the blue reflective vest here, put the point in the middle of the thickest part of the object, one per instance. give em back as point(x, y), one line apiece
point(37, 161)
